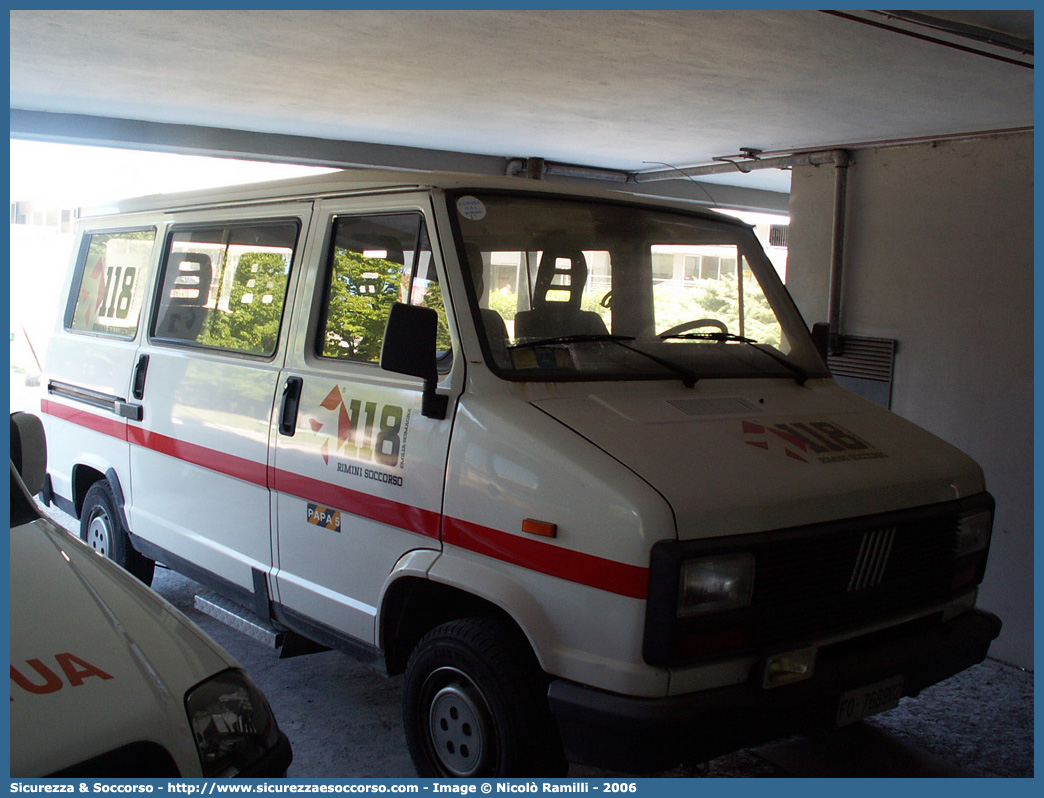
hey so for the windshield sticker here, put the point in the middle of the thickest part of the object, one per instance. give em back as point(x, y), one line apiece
point(542, 357)
point(810, 442)
point(471, 208)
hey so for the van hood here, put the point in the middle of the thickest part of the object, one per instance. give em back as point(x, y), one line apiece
point(733, 457)
point(94, 654)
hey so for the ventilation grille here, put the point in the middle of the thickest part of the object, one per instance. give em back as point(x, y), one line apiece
point(714, 407)
point(864, 359)
point(779, 235)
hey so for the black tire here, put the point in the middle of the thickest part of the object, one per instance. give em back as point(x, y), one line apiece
point(475, 705)
point(102, 529)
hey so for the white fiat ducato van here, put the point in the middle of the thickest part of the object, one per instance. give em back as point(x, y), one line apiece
point(108, 679)
point(568, 459)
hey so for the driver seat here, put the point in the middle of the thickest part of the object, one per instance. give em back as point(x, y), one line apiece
point(551, 318)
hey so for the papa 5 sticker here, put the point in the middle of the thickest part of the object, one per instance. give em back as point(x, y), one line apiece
point(471, 208)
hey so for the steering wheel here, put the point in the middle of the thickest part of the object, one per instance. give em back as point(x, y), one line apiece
point(692, 325)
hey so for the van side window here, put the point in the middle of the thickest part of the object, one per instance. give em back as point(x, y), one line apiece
point(112, 271)
point(225, 287)
point(374, 262)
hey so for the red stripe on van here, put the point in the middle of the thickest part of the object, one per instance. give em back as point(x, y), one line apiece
point(574, 566)
point(586, 569)
point(386, 511)
point(84, 418)
point(238, 467)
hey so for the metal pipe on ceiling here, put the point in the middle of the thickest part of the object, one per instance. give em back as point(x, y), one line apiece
point(538, 169)
point(977, 33)
point(744, 163)
point(586, 172)
point(741, 163)
point(933, 39)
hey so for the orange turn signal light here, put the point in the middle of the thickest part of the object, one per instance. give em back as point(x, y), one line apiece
point(541, 528)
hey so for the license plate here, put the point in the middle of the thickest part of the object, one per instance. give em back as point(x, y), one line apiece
point(866, 701)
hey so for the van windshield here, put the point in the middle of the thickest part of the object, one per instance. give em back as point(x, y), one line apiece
point(565, 289)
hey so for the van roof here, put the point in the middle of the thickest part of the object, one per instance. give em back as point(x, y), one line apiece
point(354, 181)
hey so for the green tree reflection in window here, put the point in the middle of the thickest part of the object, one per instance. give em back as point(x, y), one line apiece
point(361, 292)
point(254, 306)
point(377, 260)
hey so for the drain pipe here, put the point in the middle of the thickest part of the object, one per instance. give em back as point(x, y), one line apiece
point(835, 343)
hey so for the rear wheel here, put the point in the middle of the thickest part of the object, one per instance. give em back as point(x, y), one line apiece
point(102, 529)
point(475, 705)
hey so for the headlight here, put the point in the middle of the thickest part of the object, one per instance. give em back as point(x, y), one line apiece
point(973, 543)
point(973, 531)
point(714, 584)
point(232, 723)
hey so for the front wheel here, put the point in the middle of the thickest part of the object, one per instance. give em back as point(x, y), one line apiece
point(102, 529)
point(475, 705)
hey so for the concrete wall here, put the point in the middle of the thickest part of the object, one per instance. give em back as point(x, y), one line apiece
point(939, 256)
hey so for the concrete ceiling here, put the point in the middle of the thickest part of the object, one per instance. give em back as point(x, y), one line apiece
point(622, 90)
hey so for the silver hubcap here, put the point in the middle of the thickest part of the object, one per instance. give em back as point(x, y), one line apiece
point(460, 722)
point(99, 534)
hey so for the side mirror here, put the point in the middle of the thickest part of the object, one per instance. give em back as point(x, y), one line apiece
point(409, 348)
point(29, 450)
point(821, 338)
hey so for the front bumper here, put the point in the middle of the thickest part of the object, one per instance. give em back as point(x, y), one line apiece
point(274, 763)
point(643, 735)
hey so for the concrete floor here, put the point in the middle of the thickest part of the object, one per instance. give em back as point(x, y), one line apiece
point(345, 720)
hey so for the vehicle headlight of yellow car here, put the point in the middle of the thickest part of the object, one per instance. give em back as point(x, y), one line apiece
point(233, 725)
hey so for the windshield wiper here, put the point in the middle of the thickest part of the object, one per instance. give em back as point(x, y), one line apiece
point(800, 375)
point(689, 378)
point(585, 338)
point(709, 336)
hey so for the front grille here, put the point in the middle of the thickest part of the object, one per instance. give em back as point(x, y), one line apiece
point(821, 580)
point(809, 582)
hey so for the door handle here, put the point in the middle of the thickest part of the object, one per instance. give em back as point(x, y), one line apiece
point(288, 409)
point(140, 370)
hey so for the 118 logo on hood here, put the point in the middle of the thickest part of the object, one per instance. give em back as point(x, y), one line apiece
point(810, 441)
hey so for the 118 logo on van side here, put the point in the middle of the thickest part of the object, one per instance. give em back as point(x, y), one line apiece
point(365, 431)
